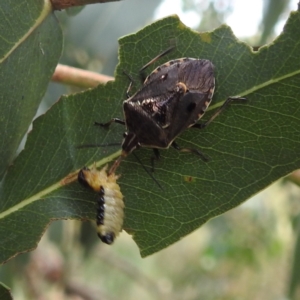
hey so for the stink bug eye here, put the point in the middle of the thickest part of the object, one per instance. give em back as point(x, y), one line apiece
point(109, 201)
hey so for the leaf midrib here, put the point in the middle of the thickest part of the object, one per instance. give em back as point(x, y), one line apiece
point(54, 187)
point(258, 87)
point(44, 13)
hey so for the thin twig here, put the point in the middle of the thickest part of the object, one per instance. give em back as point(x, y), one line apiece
point(295, 177)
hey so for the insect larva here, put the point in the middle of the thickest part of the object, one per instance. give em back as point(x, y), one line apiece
point(109, 201)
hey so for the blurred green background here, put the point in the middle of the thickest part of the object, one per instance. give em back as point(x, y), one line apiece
point(251, 252)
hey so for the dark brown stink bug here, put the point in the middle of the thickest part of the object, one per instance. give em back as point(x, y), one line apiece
point(109, 201)
point(173, 98)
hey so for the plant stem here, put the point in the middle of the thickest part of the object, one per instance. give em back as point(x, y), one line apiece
point(78, 77)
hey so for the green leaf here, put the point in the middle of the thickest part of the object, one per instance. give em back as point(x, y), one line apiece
point(250, 144)
point(30, 46)
point(294, 283)
point(4, 292)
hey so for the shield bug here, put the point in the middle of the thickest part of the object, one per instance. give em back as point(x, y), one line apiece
point(109, 201)
point(172, 98)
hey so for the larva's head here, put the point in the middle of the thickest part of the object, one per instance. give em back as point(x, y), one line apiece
point(82, 177)
point(92, 178)
point(107, 238)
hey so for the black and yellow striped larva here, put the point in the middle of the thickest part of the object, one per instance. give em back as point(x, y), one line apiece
point(109, 201)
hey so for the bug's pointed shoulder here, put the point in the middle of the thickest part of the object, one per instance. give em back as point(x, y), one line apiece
point(164, 71)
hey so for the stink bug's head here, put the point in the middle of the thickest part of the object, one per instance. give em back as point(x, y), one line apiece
point(130, 143)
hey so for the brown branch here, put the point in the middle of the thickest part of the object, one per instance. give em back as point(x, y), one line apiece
point(63, 4)
point(295, 177)
point(78, 77)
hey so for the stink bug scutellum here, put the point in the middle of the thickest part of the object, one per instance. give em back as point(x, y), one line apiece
point(109, 201)
point(172, 98)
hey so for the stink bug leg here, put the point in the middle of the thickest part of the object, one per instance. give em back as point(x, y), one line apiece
point(107, 124)
point(191, 150)
point(155, 156)
point(221, 109)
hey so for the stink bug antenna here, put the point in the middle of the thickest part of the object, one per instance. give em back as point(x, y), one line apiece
point(147, 171)
point(157, 57)
point(142, 70)
point(97, 145)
